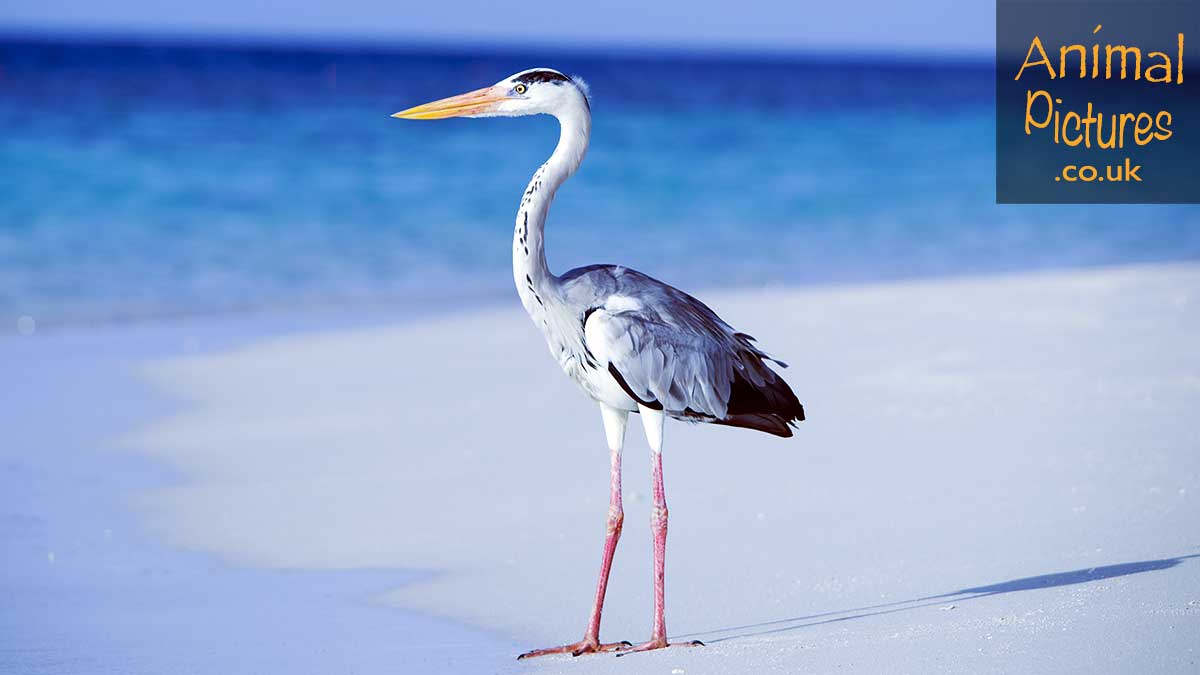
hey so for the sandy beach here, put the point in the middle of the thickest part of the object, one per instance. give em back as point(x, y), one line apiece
point(88, 589)
point(997, 475)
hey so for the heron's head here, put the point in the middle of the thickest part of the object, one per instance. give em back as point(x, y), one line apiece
point(530, 92)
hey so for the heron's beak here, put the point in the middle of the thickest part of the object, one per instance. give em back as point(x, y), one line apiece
point(471, 103)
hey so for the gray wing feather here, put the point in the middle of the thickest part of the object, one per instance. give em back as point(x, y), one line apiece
point(668, 347)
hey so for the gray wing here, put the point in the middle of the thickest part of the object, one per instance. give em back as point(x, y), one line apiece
point(668, 350)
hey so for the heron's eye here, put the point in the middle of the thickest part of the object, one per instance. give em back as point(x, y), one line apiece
point(520, 89)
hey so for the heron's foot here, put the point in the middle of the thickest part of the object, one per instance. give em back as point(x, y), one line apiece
point(660, 643)
point(584, 646)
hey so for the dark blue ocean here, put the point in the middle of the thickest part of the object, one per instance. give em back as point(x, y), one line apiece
point(149, 180)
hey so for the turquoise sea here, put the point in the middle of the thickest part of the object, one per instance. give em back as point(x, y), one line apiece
point(146, 179)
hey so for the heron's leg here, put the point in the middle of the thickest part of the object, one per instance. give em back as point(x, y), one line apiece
point(614, 430)
point(652, 422)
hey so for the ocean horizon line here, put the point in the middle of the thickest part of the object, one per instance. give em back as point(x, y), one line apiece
point(449, 46)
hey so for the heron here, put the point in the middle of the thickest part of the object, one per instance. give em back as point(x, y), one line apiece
point(632, 343)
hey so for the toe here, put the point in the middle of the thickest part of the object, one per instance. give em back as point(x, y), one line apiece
point(577, 649)
point(660, 644)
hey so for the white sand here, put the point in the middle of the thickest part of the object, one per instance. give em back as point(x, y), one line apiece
point(961, 434)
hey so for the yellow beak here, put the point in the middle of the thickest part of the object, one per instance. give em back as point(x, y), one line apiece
point(471, 103)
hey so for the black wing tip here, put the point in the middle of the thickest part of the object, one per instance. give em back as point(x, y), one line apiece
point(768, 423)
point(773, 408)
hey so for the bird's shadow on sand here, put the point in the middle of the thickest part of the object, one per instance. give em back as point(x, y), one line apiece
point(1080, 576)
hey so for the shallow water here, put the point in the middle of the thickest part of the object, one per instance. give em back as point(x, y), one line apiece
point(148, 180)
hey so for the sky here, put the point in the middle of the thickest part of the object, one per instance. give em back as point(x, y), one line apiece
point(929, 26)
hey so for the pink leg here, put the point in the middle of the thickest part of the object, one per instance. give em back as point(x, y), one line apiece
point(658, 523)
point(616, 518)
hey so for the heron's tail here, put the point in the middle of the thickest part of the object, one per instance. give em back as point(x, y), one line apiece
point(771, 407)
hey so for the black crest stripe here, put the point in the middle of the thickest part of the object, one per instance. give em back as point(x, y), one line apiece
point(543, 76)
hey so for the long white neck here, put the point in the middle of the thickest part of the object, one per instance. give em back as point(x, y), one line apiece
point(535, 283)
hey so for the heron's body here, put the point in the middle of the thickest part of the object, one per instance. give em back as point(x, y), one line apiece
point(628, 339)
point(631, 342)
